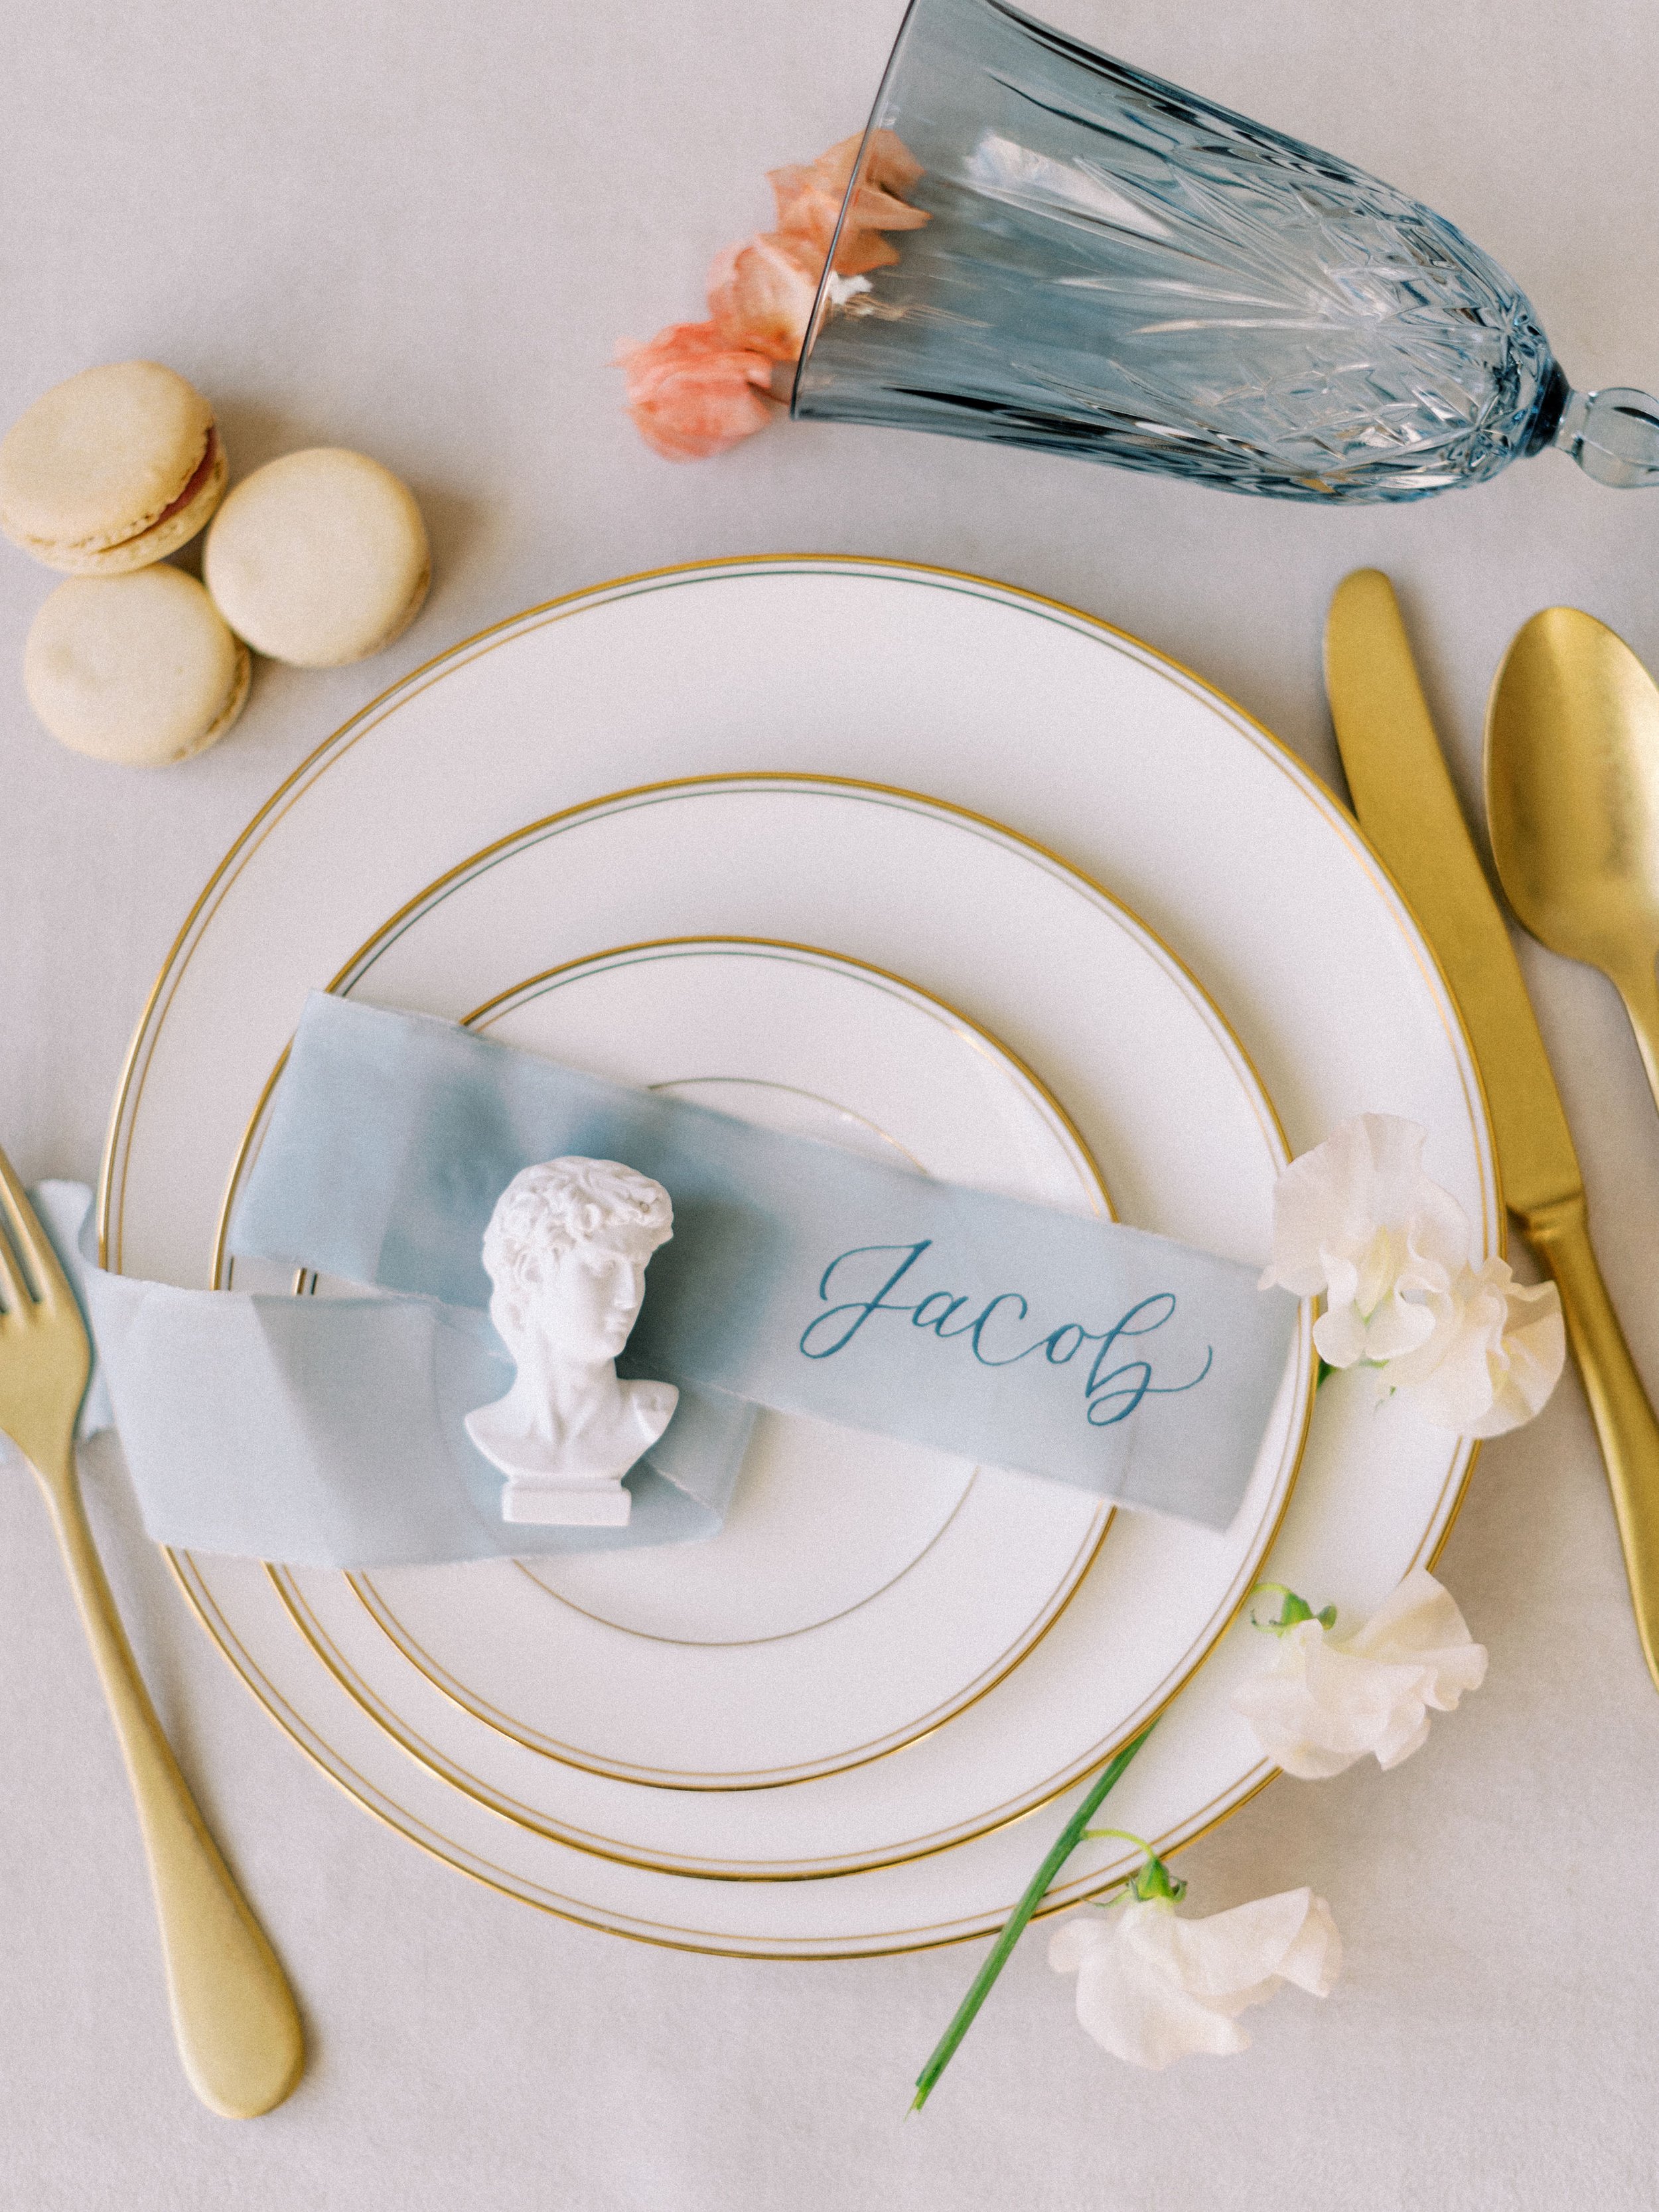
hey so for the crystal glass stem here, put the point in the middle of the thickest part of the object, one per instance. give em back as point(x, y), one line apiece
point(1613, 435)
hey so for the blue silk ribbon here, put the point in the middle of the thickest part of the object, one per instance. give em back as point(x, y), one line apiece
point(799, 1276)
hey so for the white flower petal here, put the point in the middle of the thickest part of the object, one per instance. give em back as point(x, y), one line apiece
point(1358, 1218)
point(1316, 1708)
point(1443, 1318)
point(1367, 1175)
point(1340, 1335)
point(1418, 1623)
point(1323, 1701)
point(1437, 1233)
point(1499, 1360)
point(1071, 1941)
point(1233, 1958)
point(1313, 1959)
point(1130, 1998)
point(1152, 1987)
point(1334, 1197)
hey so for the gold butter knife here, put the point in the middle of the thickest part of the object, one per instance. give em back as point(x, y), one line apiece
point(1407, 807)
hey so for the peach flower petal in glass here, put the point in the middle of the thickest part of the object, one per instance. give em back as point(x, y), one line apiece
point(693, 393)
point(760, 293)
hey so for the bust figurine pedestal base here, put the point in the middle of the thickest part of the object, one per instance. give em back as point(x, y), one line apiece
point(568, 1505)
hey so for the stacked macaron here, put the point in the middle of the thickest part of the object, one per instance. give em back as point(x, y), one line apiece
point(110, 470)
point(140, 669)
point(319, 559)
point(104, 477)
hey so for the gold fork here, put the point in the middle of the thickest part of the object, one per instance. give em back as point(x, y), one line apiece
point(234, 2014)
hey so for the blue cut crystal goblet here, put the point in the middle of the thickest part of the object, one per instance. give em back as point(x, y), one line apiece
point(1117, 269)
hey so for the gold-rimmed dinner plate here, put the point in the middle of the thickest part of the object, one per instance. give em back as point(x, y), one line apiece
point(1008, 705)
point(1173, 1111)
point(863, 1590)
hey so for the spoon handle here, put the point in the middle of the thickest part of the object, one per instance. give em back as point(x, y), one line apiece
point(1640, 992)
point(1625, 1422)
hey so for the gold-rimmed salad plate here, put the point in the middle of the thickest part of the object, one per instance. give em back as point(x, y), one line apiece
point(862, 1590)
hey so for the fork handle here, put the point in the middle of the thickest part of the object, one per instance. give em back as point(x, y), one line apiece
point(234, 2015)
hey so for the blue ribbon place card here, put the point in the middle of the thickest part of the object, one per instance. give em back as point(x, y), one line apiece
point(799, 1278)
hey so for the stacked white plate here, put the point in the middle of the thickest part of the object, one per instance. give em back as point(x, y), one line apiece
point(914, 861)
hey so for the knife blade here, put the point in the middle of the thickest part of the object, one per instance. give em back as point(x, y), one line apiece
point(1408, 806)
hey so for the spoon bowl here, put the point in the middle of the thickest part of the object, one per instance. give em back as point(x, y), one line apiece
point(1572, 800)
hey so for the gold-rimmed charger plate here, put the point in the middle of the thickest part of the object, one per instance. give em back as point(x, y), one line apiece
point(1008, 704)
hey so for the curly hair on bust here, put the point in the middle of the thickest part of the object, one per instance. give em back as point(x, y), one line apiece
point(548, 1210)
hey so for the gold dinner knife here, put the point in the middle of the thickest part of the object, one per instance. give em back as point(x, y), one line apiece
point(1407, 807)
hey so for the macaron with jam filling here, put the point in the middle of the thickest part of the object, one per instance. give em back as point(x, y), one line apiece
point(319, 558)
point(114, 469)
point(139, 669)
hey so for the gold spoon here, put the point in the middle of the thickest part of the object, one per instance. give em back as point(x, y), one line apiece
point(1572, 799)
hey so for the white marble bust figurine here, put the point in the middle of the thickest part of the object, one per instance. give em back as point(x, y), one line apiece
point(566, 1249)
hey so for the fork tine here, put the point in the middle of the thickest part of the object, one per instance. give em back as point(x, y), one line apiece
point(32, 1244)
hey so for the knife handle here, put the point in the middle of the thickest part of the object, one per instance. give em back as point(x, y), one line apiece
point(1625, 1422)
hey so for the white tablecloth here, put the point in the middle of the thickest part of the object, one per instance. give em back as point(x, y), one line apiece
point(418, 229)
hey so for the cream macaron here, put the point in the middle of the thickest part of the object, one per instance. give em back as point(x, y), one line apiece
point(115, 469)
point(319, 558)
point(139, 669)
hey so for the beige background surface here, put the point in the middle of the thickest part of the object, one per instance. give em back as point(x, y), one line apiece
point(418, 229)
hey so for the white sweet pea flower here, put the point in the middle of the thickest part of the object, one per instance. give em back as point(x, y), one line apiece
point(1151, 1986)
point(1323, 1702)
point(1358, 1220)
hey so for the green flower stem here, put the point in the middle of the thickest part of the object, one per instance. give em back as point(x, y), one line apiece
point(1065, 1843)
point(1154, 1879)
point(1294, 1610)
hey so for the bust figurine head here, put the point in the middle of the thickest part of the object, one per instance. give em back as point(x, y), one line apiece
point(566, 1251)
